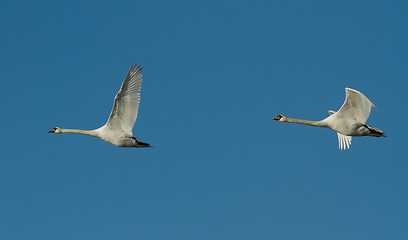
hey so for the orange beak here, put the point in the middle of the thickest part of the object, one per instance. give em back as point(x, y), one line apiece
point(276, 118)
point(52, 130)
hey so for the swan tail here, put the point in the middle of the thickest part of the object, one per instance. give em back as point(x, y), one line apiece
point(140, 144)
point(376, 132)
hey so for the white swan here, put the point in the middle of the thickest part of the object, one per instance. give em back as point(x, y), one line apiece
point(349, 120)
point(118, 128)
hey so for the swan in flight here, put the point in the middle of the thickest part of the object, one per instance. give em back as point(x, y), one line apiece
point(118, 128)
point(349, 120)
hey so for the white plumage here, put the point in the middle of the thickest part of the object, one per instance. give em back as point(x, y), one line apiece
point(350, 120)
point(118, 128)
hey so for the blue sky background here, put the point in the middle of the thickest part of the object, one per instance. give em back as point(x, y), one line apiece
point(215, 74)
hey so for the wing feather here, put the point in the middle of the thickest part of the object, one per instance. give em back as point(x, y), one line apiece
point(344, 141)
point(356, 106)
point(126, 104)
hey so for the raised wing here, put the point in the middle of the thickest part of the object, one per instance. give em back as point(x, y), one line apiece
point(356, 106)
point(344, 141)
point(126, 104)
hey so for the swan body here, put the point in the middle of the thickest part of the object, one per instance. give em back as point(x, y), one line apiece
point(118, 128)
point(349, 120)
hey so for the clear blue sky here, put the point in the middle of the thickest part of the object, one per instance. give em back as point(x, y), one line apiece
point(215, 74)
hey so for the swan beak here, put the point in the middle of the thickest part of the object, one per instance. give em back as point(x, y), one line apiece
point(52, 130)
point(276, 118)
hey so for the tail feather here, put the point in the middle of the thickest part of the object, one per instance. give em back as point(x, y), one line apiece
point(376, 132)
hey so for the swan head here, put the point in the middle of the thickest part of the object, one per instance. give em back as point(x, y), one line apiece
point(280, 118)
point(55, 130)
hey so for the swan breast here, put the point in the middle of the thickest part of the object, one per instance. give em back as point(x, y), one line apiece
point(348, 127)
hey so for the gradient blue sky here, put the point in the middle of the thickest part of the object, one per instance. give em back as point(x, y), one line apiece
point(215, 74)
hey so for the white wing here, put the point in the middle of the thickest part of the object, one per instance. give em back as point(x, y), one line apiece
point(356, 106)
point(344, 141)
point(126, 104)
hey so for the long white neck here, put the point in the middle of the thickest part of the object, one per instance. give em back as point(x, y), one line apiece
point(321, 123)
point(79, 131)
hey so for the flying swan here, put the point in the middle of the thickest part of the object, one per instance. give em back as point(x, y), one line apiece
point(349, 120)
point(118, 128)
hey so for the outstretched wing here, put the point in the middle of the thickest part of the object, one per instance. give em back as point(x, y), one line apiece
point(344, 141)
point(126, 104)
point(356, 106)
